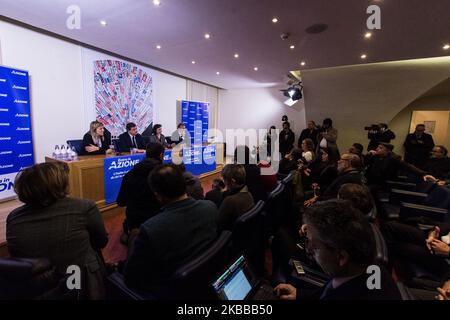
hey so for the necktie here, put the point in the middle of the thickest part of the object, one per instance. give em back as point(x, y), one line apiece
point(134, 142)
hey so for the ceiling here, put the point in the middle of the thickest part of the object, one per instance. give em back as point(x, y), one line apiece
point(410, 29)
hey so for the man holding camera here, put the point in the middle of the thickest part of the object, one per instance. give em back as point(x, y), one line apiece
point(379, 133)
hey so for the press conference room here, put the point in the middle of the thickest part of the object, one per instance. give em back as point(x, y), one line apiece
point(225, 152)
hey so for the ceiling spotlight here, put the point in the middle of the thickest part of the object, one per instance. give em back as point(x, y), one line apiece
point(302, 63)
point(294, 92)
point(275, 20)
point(368, 35)
point(103, 22)
point(236, 55)
point(292, 47)
point(446, 47)
point(207, 36)
point(158, 47)
point(218, 73)
point(157, 3)
point(255, 68)
point(364, 56)
point(193, 61)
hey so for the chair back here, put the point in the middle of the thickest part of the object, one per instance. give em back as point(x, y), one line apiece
point(78, 144)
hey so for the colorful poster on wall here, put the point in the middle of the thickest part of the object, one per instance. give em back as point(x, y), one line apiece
point(16, 143)
point(123, 93)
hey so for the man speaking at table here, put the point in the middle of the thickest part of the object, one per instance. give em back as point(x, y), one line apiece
point(131, 139)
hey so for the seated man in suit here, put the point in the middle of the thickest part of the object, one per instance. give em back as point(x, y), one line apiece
point(341, 242)
point(180, 135)
point(131, 139)
point(183, 229)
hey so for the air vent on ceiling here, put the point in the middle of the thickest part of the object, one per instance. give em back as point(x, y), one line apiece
point(316, 28)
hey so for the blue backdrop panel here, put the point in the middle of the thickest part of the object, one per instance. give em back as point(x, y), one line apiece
point(192, 112)
point(16, 143)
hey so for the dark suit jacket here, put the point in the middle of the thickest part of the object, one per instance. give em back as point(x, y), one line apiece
point(353, 176)
point(68, 232)
point(136, 194)
point(355, 289)
point(287, 139)
point(87, 140)
point(181, 231)
point(418, 149)
point(125, 143)
point(162, 140)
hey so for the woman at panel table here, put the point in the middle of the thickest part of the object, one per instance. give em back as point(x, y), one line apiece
point(95, 141)
point(157, 136)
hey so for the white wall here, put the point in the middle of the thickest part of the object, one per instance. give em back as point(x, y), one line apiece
point(55, 81)
point(58, 109)
point(257, 109)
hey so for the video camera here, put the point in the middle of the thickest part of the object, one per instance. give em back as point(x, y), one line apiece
point(373, 127)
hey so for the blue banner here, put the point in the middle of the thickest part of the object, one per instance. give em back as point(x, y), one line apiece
point(192, 114)
point(16, 143)
point(114, 169)
point(197, 160)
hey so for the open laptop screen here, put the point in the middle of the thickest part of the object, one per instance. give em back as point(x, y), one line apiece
point(234, 283)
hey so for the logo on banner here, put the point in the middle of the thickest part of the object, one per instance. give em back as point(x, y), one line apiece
point(18, 73)
point(123, 163)
point(19, 87)
point(4, 153)
point(20, 101)
point(4, 110)
point(4, 124)
point(4, 95)
point(23, 142)
point(6, 185)
point(22, 115)
point(22, 129)
point(5, 138)
point(2, 80)
point(25, 155)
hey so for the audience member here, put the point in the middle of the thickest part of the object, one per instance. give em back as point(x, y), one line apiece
point(135, 192)
point(322, 174)
point(252, 172)
point(287, 138)
point(425, 248)
point(238, 200)
point(311, 132)
point(268, 139)
point(308, 150)
point(180, 135)
point(51, 225)
point(216, 193)
point(439, 163)
point(341, 242)
point(194, 187)
point(181, 231)
point(383, 165)
point(349, 171)
point(360, 197)
point(418, 146)
point(378, 134)
point(327, 135)
point(290, 161)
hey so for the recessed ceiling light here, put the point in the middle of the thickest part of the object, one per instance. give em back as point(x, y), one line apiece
point(193, 61)
point(236, 55)
point(363, 56)
point(446, 47)
point(207, 36)
point(157, 3)
point(275, 20)
point(255, 68)
point(158, 47)
point(292, 47)
point(303, 63)
point(103, 22)
point(217, 72)
point(368, 35)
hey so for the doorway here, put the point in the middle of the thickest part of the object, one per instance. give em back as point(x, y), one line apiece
point(437, 123)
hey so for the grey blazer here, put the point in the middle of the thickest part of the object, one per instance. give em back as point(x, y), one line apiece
point(154, 139)
point(68, 232)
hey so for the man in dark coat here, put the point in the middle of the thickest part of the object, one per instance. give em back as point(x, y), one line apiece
point(418, 146)
point(136, 194)
point(287, 138)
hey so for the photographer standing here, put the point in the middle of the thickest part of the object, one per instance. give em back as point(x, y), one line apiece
point(379, 133)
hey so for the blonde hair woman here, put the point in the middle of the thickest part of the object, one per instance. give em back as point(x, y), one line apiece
point(95, 141)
